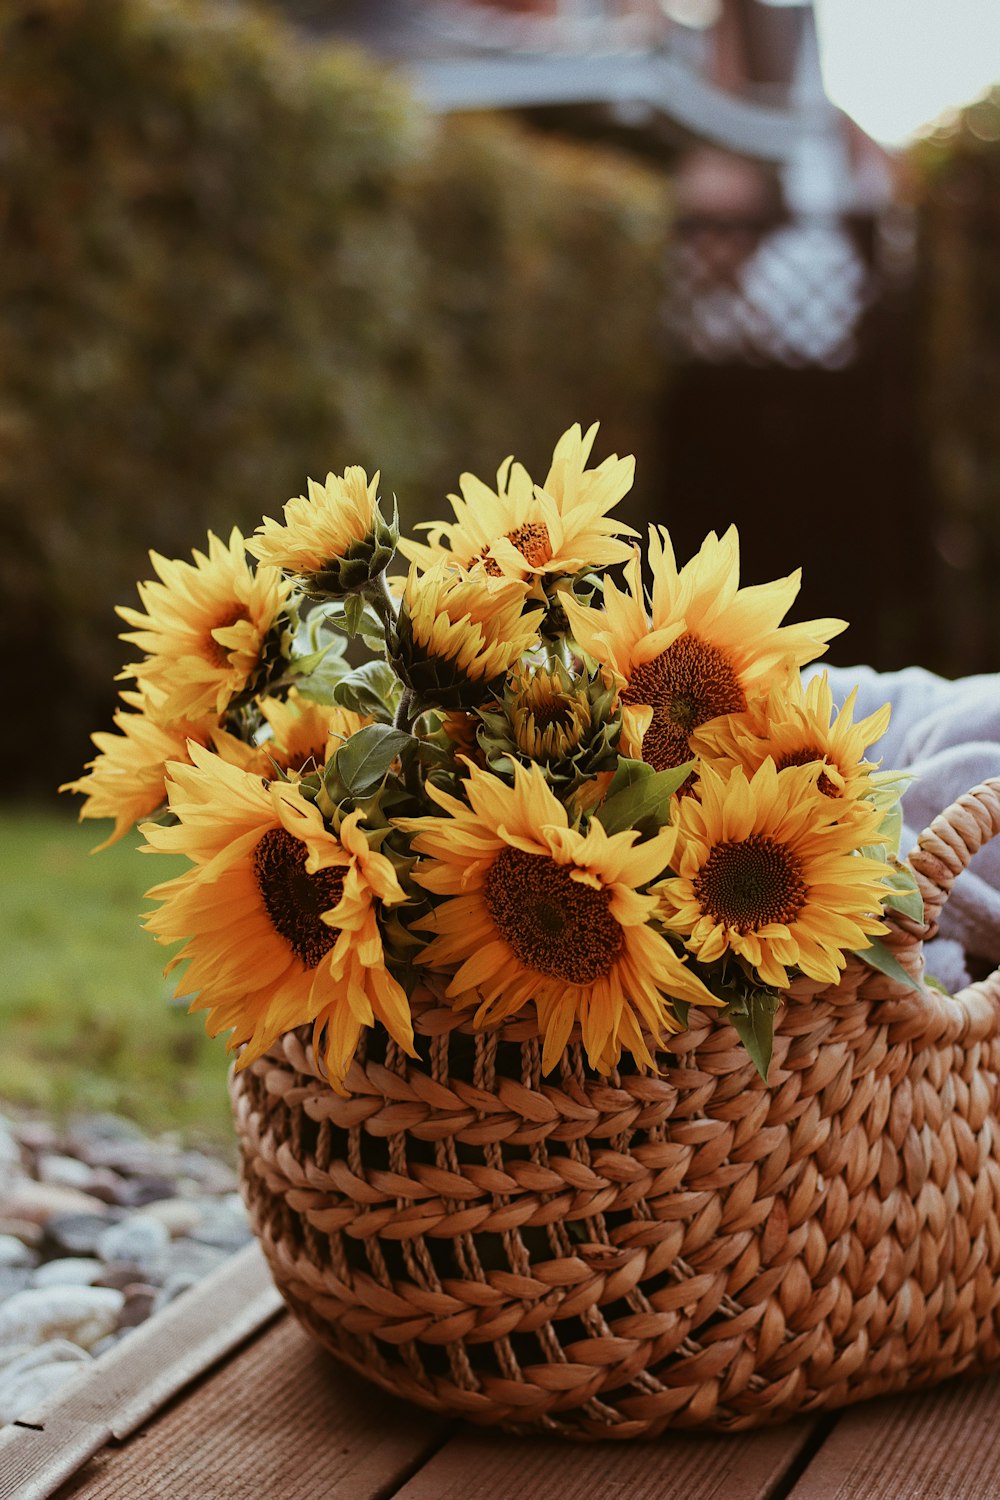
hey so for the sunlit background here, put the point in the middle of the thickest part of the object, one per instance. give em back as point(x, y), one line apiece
point(897, 65)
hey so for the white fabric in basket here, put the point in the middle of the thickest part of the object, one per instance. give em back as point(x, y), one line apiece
point(947, 736)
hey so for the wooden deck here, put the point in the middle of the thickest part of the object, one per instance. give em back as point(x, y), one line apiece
point(223, 1397)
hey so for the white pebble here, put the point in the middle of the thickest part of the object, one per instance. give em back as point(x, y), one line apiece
point(177, 1215)
point(71, 1270)
point(82, 1314)
point(65, 1171)
point(14, 1253)
point(139, 1241)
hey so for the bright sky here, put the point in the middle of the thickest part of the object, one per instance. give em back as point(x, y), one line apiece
point(895, 65)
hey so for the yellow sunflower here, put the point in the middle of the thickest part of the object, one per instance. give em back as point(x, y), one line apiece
point(126, 781)
point(767, 870)
point(279, 915)
point(204, 628)
point(710, 648)
point(537, 910)
point(301, 735)
point(526, 531)
point(457, 632)
point(334, 537)
point(796, 726)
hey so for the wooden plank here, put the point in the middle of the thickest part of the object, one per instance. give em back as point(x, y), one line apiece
point(280, 1418)
point(745, 1466)
point(122, 1388)
point(937, 1445)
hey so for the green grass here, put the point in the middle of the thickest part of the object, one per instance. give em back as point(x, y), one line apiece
point(86, 1016)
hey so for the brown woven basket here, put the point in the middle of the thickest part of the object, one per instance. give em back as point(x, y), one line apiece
point(615, 1257)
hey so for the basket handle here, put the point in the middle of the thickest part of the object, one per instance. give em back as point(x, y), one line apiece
point(943, 851)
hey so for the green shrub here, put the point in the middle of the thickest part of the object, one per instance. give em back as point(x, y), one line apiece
point(233, 258)
point(958, 176)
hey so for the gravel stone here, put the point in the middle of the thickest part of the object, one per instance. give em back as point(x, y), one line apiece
point(14, 1252)
point(138, 1241)
point(10, 1150)
point(24, 1230)
point(139, 1301)
point(189, 1258)
point(73, 1270)
point(100, 1227)
point(79, 1234)
point(65, 1171)
point(81, 1314)
point(179, 1216)
point(39, 1202)
point(224, 1225)
point(13, 1279)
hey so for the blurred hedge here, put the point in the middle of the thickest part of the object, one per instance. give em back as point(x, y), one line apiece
point(958, 217)
point(232, 258)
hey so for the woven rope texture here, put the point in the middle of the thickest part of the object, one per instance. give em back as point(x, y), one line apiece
point(614, 1257)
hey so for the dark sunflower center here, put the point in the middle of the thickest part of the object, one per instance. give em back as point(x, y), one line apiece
point(215, 652)
point(747, 883)
point(531, 540)
point(556, 711)
point(805, 758)
point(686, 685)
point(552, 922)
point(293, 899)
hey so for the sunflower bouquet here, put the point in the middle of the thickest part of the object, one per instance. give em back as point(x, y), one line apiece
point(503, 779)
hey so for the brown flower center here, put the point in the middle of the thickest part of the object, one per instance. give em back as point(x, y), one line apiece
point(553, 923)
point(533, 542)
point(686, 685)
point(806, 757)
point(214, 651)
point(293, 899)
point(747, 883)
point(556, 712)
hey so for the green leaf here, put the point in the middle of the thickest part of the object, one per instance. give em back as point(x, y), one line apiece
point(638, 793)
point(681, 1009)
point(755, 1028)
point(354, 613)
point(904, 895)
point(878, 956)
point(316, 675)
point(890, 830)
point(372, 689)
point(361, 764)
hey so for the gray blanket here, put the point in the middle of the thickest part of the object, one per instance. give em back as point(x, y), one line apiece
point(947, 735)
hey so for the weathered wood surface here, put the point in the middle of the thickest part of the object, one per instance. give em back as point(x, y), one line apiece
point(223, 1396)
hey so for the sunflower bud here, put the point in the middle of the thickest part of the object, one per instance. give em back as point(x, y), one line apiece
point(568, 725)
point(459, 633)
point(335, 539)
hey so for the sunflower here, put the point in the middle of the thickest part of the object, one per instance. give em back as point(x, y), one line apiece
point(796, 726)
point(526, 531)
point(710, 649)
point(278, 914)
point(767, 870)
point(301, 735)
point(566, 724)
point(537, 910)
point(458, 632)
point(334, 538)
point(205, 629)
point(126, 781)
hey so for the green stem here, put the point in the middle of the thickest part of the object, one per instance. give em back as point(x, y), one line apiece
point(405, 712)
point(376, 592)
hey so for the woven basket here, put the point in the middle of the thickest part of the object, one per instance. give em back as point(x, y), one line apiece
point(615, 1257)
